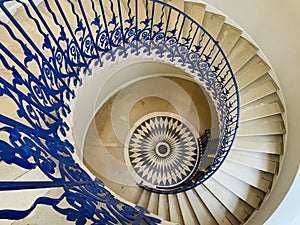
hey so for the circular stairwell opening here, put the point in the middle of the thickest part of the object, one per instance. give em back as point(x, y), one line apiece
point(174, 94)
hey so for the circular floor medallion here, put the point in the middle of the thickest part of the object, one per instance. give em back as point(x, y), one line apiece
point(162, 150)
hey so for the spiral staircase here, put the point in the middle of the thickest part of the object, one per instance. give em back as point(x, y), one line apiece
point(82, 80)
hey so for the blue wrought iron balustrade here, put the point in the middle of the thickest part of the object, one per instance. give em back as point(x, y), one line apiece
point(44, 55)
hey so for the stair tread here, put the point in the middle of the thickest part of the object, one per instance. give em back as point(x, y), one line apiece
point(23, 199)
point(153, 203)
point(29, 25)
point(144, 198)
point(219, 212)
point(186, 209)
point(241, 189)
point(241, 53)
point(251, 71)
point(11, 110)
point(262, 126)
point(260, 111)
point(262, 129)
point(202, 213)
point(55, 29)
point(257, 155)
point(178, 4)
point(249, 159)
point(250, 95)
point(9, 172)
point(12, 45)
point(237, 207)
point(42, 214)
point(228, 37)
point(252, 176)
point(163, 207)
point(195, 10)
point(175, 212)
point(258, 144)
point(213, 23)
point(269, 99)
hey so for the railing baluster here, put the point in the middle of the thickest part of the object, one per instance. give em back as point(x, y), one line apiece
point(212, 62)
point(121, 22)
point(87, 25)
point(27, 71)
point(23, 96)
point(105, 23)
point(70, 30)
point(52, 36)
point(30, 41)
point(151, 31)
point(136, 26)
point(167, 26)
point(181, 28)
point(205, 47)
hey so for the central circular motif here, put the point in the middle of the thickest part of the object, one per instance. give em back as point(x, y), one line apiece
point(162, 150)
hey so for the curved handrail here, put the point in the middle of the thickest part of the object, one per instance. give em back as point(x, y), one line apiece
point(40, 81)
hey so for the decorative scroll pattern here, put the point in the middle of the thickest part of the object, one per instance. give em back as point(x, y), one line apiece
point(40, 71)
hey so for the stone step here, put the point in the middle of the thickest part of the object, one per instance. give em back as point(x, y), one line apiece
point(228, 37)
point(9, 172)
point(23, 199)
point(175, 211)
point(11, 110)
point(186, 209)
point(178, 4)
point(269, 99)
point(264, 126)
point(261, 88)
point(260, 161)
point(233, 203)
point(241, 189)
point(272, 144)
point(202, 213)
point(260, 112)
point(159, 15)
point(251, 71)
point(249, 175)
point(16, 49)
point(163, 207)
point(144, 199)
point(128, 9)
point(195, 10)
point(28, 25)
point(213, 23)
point(11, 45)
point(241, 53)
point(172, 21)
point(153, 203)
point(37, 38)
point(219, 212)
